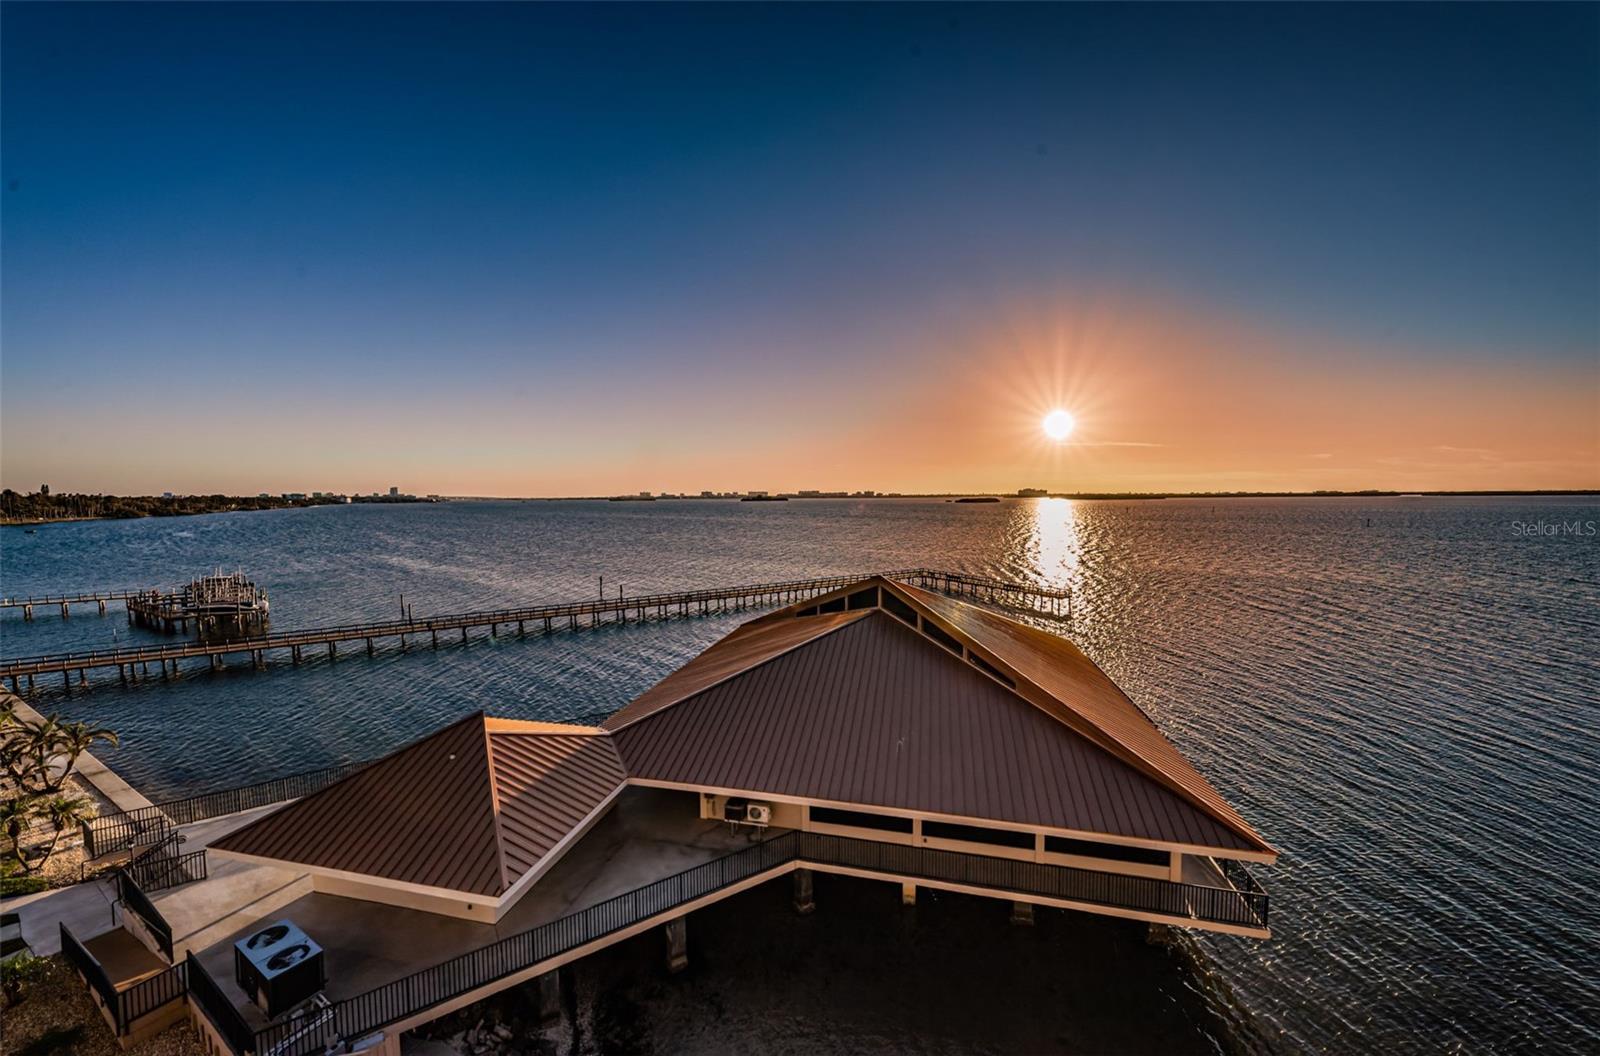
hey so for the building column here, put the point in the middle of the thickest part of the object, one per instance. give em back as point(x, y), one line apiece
point(804, 897)
point(549, 999)
point(677, 932)
point(908, 894)
point(1022, 914)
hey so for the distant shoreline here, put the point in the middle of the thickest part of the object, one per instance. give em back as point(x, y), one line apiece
point(1081, 495)
point(236, 505)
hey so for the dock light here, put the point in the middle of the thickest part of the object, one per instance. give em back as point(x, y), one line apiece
point(1058, 425)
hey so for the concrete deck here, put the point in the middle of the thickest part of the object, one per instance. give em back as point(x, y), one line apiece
point(648, 834)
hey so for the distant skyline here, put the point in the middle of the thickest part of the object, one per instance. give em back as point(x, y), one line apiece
point(554, 250)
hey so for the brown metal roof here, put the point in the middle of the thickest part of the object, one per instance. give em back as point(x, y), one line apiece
point(545, 784)
point(744, 647)
point(470, 808)
point(1088, 700)
point(876, 714)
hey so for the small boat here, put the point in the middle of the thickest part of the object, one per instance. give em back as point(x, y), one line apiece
point(978, 498)
point(765, 498)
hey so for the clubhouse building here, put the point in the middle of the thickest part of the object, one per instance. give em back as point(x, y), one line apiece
point(880, 731)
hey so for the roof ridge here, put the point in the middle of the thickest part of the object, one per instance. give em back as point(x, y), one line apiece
point(494, 804)
point(1097, 733)
point(848, 618)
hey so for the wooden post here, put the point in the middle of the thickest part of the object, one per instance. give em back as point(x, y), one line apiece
point(369, 646)
point(677, 944)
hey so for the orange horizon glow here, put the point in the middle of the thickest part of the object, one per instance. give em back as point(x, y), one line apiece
point(1164, 398)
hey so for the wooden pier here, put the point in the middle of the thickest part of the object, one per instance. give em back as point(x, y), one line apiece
point(211, 602)
point(101, 598)
point(134, 662)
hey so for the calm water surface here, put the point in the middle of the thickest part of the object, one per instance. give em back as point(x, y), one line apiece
point(1399, 693)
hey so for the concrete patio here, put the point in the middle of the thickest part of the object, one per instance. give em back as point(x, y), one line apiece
point(648, 834)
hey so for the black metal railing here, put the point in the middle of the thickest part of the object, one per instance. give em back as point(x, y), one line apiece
point(158, 874)
point(207, 997)
point(148, 825)
point(148, 995)
point(366, 1013)
point(392, 1002)
point(87, 966)
point(137, 902)
point(1215, 905)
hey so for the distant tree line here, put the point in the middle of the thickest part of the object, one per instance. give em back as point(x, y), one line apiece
point(15, 506)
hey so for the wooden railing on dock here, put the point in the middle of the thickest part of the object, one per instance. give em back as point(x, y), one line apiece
point(544, 618)
point(65, 601)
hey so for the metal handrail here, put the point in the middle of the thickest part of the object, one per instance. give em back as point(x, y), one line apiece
point(94, 974)
point(147, 995)
point(207, 997)
point(134, 899)
point(114, 832)
point(365, 1013)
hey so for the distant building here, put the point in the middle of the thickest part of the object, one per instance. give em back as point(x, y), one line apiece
point(756, 494)
point(810, 493)
point(166, 494)
point(394, 492)
point(1031, 493)
point(644, 494)
point(44, 489)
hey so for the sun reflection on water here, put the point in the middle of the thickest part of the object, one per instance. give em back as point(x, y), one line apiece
point(1054, 546)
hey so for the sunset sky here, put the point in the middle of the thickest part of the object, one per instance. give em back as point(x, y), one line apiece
point(547, 250)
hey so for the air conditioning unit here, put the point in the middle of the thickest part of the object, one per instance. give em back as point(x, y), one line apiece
point(739, 811)
point(278, 967)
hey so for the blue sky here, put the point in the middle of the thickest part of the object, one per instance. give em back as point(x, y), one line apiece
point(356, 216)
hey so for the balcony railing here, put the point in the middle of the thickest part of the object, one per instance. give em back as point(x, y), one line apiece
point(147, 825)
point(402, 999)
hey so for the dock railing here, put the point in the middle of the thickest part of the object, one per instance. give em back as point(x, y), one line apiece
point(366, 1013)
point(661, 604)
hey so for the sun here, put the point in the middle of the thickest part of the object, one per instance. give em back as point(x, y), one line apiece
point(1058, 424)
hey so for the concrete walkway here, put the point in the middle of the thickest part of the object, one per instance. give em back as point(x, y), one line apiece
point(87, 909)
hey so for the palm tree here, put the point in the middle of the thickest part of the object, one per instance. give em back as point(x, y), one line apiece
point(63, 812)
point(44, 739)
point(15, 736)
point(15, 814)
point(75, 738)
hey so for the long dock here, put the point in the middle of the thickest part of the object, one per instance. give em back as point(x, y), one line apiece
point(66, 601)
point(134, 661)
